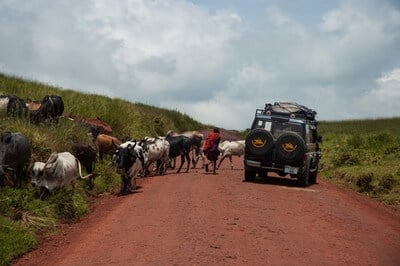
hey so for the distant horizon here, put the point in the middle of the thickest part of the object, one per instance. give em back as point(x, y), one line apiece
point(171, 109)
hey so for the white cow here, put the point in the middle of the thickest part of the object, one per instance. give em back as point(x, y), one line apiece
point(60, 170)
point(230, 148)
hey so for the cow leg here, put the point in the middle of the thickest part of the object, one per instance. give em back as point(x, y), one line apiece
point(172, 163)
point(214, 166)
point(91, 182)
point(230, 159)
point(182, 161)
point(188, 161)
point(123, 185)
point(196, 154)
point(43, 193)
point(223, 157)
point(132, 183)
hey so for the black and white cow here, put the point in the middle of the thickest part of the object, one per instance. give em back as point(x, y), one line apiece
point(129, 160)
point(13, 106)
point(60, 170)
point(15, 153)
point(51, 108)
point(179, 145)
point(155, 150)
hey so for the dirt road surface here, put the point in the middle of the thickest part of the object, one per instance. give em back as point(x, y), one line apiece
point(203, 219)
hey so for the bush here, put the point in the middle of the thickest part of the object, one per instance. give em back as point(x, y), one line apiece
point(364, 182)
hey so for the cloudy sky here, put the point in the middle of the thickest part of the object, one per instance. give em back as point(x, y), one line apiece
point(216, 61)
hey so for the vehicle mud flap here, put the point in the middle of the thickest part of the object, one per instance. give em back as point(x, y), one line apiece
point(290, 148)
point(304, 175)
point(249, 174)
point(313, 175)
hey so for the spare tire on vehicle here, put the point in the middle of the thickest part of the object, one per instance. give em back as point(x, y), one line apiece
point(259, 142)
point(290, 148)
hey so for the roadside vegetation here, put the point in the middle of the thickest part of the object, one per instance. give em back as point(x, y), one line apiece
point(362, 155)
point(24, 217)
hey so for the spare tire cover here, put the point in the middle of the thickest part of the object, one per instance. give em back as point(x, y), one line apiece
point(290, 148)
point(259, 142)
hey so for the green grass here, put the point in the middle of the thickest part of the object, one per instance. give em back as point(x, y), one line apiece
point(363, 155)
point(16, 239)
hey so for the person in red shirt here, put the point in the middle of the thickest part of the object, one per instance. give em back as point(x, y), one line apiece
point(210, 148)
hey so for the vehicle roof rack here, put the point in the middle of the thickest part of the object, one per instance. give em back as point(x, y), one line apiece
point(294, 110)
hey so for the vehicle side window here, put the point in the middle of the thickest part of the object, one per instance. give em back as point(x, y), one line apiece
point(308, 134)
point(268, 125)
point(263, 124)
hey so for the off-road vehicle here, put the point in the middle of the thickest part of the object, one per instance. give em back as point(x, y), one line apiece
point(283, 139)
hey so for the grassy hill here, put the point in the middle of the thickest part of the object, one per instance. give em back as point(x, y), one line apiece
point(363, 155)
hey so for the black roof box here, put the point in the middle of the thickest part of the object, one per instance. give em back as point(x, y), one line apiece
point(288, 108)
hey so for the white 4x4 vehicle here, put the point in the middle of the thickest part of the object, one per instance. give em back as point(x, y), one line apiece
point(283, 139)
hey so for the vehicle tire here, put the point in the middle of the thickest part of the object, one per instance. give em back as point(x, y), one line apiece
point(249, 175)
point(303, 177)
point(262, 173)
point(259, 142)
point(290, 148)
point(313, 176)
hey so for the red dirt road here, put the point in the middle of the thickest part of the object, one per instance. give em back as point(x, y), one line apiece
point(203, 219)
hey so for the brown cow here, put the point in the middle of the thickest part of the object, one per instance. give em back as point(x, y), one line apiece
point(104, 143)
point(33, 105)
point(102, 126)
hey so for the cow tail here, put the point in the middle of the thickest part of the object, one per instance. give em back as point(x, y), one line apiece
point(80, 170)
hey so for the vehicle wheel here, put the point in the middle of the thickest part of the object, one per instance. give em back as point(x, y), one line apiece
point(263, 173)
point(259, 142)
point(303, 177)
point(290, 148)
point(249, 175)
point(313, 176)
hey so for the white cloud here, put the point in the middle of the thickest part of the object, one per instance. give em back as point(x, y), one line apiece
point(216, 65)
point(384, 99)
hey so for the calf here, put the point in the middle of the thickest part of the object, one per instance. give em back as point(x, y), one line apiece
point(231, 148)
point(179, 145)
point(129, 160)
point(60, 170)
point(104, 144)
point(15, 153)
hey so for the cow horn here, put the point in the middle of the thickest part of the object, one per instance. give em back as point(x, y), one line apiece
point(53, 157)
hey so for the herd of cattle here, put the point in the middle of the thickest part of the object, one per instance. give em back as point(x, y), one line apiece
point(132, 158)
